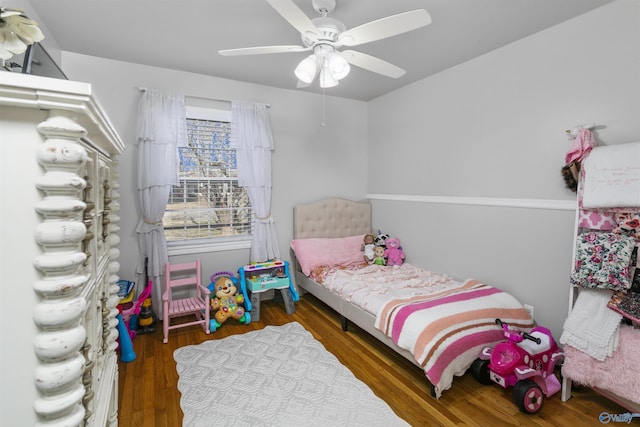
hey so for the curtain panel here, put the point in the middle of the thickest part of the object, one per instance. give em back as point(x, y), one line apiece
point(252, 138)
point(161, 131)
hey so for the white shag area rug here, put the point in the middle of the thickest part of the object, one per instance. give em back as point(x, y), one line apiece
point(277, 376)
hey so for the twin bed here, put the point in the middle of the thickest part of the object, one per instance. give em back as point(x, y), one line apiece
point(438, 323)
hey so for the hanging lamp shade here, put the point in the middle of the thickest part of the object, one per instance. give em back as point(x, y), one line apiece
point(332, 65)
point(338, 66)
point(326, 79)
point(307, 69)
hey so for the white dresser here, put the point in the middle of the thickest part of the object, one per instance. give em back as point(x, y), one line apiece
point(59, 254)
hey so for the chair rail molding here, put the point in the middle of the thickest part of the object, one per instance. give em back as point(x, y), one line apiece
point(562, 205)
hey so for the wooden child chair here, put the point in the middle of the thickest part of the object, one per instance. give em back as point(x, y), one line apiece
point(184, 276)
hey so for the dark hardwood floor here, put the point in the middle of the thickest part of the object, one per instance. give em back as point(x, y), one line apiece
point(148, 395)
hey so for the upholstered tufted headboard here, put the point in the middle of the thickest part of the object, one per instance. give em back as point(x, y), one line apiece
point(331, 218)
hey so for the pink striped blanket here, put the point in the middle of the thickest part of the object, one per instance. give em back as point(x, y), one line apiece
point(446, 330)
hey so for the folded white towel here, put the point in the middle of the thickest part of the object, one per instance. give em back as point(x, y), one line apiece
point(612, 176)
point(592, 327)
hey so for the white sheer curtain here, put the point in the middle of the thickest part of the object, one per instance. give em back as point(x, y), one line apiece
point(252, 139)
point(161, 130)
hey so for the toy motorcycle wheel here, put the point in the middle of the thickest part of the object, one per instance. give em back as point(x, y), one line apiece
point(480, 371)
point(528, 396)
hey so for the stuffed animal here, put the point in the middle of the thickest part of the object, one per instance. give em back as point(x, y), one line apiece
point(393, 253)
point(379, 256)
point(380, 239)
point(227, 301)
point(368, 247)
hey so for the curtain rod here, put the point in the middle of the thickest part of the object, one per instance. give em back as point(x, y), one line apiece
point(144, 89)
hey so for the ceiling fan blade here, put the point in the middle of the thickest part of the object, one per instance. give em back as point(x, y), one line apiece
point(296, 17)
point(385, 27)
point(259, 50)
point(372, 63)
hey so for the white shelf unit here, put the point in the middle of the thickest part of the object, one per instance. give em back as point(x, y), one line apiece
point(567, 383)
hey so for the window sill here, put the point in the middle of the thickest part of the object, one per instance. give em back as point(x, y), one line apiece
point(217, 245)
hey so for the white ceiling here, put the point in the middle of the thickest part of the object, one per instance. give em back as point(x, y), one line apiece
point(187, 34)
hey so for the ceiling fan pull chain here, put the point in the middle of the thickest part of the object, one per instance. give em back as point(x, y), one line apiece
point(324, 108)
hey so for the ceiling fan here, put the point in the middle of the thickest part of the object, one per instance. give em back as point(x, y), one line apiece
point(324, 35)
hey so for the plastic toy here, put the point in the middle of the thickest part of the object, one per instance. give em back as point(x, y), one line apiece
point(254, 279)
point(378, 259)
point(146, 318)
point(127, 354)
point(130, 311)
point(125, 291)
point(393, 253)
point(525, 361)
point(368, 248)
point(279, 273)
point(227, 301)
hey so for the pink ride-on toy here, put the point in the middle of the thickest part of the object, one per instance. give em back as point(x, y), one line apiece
point(525, 361)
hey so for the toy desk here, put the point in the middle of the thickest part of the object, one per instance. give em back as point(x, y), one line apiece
point(258, 278)
point(265, 282)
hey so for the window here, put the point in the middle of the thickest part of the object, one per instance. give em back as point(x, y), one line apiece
point(208, 206)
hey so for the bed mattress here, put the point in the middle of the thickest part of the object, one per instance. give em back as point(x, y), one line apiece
point(371, 287)
point(442, 322)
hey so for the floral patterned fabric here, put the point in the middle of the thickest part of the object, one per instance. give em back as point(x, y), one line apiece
point(602, 261)
point(629, 224)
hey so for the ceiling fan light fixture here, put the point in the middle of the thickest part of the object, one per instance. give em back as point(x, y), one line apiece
point(325, 35)
point(326, 79)
point(338, 66)
point(307, 69)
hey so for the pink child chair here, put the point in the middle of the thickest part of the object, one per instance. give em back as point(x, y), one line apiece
point(187, 275)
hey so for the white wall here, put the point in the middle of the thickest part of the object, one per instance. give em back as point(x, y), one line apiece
point(494, 128)
point(310, 161)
